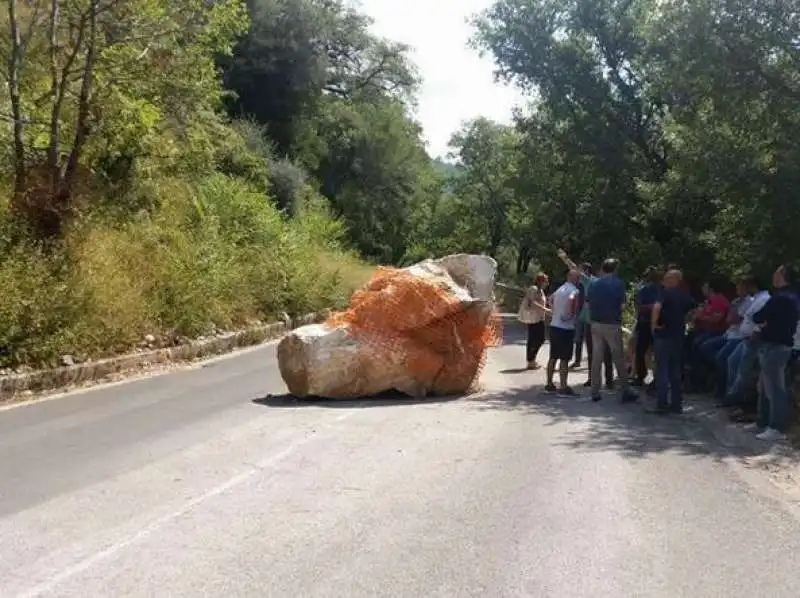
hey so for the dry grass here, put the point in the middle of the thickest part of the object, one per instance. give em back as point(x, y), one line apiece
point(216, 256)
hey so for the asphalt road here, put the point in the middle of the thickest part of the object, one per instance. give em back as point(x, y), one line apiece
point(198, 484)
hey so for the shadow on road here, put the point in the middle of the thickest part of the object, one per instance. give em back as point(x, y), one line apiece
point(610, 426)
point(388, 399)
point(516, 371)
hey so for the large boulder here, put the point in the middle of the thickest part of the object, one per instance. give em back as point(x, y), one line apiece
point(421, 330)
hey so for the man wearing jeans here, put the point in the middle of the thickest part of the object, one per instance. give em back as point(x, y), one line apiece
point(669, 330)
point(742, 362)
point(719, 349)
point(606, 297)
point(778, 320)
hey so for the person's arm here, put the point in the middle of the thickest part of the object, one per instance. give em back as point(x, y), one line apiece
point(565, 258)
point(572, 304)
point(543, 307)
point(622, 296)
point(734, 317)
point(652, 299)
point(537, 302)
point(715, 313)
point(530, 293)
point(765, 313)
point(691, 308)
point(654, 325)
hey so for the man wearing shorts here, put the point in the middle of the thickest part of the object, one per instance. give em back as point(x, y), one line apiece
point(562, 332)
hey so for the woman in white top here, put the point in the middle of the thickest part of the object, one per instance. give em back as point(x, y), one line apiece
point(532, 311)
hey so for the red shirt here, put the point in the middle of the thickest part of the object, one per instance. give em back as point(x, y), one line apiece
point(717, 304)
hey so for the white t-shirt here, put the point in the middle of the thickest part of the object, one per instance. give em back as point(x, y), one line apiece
point(528, 312)
point(561, 309)
point(748, 326)
point(735, 331)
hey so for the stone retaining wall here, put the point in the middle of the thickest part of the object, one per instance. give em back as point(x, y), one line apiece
point(52, 379)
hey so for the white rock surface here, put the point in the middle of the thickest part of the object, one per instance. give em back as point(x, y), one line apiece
point(328, 361)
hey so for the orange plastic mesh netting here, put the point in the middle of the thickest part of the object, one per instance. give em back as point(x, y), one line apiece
point(420, 321)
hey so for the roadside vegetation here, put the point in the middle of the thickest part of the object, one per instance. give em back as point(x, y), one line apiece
point(177, 167)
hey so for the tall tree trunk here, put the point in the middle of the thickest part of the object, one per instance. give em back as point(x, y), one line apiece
point(84, 100)
point(55, 120)
point(14, 68)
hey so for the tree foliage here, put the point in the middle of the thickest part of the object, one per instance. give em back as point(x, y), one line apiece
point(657, 131)
point(235, 148)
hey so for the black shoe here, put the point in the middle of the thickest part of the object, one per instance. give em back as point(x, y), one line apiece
point(550, 388)
point(587, 384)
point(658, 410)
point(567, 391)
point(629, 397)
point(676, 409)
point(610, 385)
point(597, 398)
point(576, 365)
point(637, 383)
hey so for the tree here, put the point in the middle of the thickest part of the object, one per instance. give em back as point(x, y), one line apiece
point(488, 163)
point(662, 131)
point(372, 167)
point(105, 70)
point(296, 53)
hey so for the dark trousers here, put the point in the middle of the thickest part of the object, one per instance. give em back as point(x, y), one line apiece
point(608, 363)
point(535, 340)
point(580, 336)
point(669, 370)
point(644, 340)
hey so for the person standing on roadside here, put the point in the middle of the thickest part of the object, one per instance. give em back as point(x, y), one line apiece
point(532, 312)
point(581, 326)
point(562, 332)
point(606, 299)
point(668, 326)
point(585, 321)
point(646, 298)
point(778, 321)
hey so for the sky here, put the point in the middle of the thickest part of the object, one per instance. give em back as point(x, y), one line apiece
point(458, 84)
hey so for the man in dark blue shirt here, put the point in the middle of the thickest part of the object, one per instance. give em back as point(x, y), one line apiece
point(646, 298)
point(778, 321)
point(669, 327)
point(606, 299)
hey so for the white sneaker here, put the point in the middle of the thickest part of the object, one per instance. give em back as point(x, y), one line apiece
point(771, 435)
point(751, 428)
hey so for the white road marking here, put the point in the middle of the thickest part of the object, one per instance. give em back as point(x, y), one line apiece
point(142, 534)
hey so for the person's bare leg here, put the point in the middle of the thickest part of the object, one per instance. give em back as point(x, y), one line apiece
point(563, 372)
point(551, 370)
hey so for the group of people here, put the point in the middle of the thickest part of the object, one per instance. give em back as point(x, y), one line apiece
point(739, 346)
point(591, 305)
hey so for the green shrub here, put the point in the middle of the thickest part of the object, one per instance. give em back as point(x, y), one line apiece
point(287, 185)
point(216, 254)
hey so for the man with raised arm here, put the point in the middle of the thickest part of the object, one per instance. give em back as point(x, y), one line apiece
point(585, 319)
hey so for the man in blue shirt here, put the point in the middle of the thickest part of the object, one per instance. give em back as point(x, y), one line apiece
point(584, 326)
point(606, 298)
point(668, 325)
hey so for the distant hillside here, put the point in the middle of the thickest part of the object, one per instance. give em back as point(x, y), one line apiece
point(447, 168)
